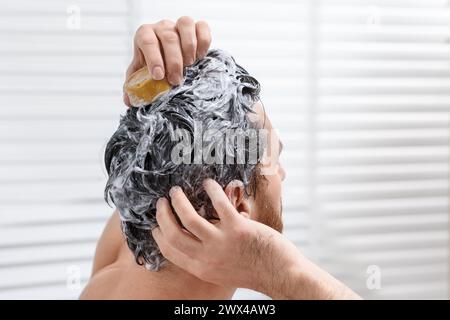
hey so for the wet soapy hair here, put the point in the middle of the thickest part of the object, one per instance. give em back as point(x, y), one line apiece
point(216, 92)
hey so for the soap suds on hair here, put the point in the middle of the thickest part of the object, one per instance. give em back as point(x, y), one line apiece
point(216, 92)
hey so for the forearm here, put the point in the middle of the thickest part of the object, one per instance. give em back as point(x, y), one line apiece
point(284, 273)
point(308, 281)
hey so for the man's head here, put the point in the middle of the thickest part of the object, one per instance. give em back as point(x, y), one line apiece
point(208, 127)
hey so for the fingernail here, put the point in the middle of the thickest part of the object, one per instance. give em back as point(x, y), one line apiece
point(200, 55)
point(190, 61)
point(205, 181)
point(173, 190)
point(157, 73)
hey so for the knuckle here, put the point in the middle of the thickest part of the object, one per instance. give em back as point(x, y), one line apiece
point(166, 23)
point(146, 39)
point(143, 29)
point(145, 36)
point(202, 24)
point(185, 21)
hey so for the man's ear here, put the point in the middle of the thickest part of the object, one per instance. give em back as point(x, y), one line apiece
point(236, 194)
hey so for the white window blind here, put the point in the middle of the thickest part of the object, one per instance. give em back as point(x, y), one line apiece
point(357, 89)
point(381, 118)
point(60, 90)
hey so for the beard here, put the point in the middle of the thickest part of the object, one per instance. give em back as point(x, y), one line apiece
point(270, 214)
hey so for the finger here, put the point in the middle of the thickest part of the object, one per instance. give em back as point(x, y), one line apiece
point(172, 230)
point(148, 44)
point(137, 62)
point(134, 65)
point(175, 256)
point(219, 200)
point(188, 38)
point(190, 219)
point(173, 58)
point(126, 99)
point(203, 38)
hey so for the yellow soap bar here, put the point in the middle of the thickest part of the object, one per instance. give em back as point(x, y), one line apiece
point(142, 89)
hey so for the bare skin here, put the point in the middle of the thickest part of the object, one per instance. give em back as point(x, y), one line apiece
point(253, 253)
point(273, 265)
point(116, 275)
point(166, 47)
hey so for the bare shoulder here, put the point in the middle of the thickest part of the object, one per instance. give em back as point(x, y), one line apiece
point(103, 285)
point(125, 281)
point(115, 273)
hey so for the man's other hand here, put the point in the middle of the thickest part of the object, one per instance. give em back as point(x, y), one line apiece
point(231, 252)
point(239, 252)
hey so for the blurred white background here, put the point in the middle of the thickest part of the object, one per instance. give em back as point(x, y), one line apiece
point(359, 90)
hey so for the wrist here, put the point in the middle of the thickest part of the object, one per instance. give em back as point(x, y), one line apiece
point(303, 280)
point(288, 283)
point(280, 269)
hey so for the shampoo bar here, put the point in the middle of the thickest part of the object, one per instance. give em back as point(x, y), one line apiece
point(142, 89)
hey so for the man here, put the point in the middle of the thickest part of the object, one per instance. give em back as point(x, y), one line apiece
point(217, 96)
point(234, 252)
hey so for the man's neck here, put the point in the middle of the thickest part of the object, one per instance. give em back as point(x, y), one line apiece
point(172, 282)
